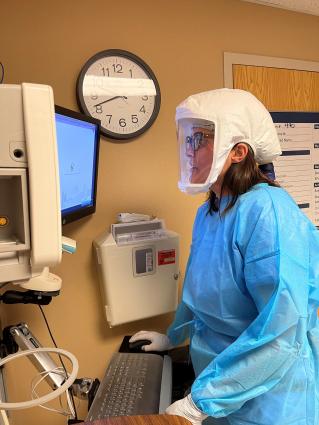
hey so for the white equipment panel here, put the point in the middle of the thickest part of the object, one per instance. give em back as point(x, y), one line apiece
point(29, 182)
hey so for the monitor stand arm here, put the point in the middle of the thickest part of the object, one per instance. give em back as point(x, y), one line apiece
point(20, 337)
point(27, 297)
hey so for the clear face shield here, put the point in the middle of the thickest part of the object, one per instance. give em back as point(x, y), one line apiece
point(196, 148)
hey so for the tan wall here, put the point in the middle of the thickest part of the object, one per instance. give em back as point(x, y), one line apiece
point(183, 42)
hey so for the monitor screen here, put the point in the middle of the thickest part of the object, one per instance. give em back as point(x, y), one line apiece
point(78, 138)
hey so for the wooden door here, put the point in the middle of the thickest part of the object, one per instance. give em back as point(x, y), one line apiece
point(279, 89)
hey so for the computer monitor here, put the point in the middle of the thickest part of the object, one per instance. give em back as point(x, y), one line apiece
point(78, 138)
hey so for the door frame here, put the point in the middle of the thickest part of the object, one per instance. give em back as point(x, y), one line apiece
point(231, 59)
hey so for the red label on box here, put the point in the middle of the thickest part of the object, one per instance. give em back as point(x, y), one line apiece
point(166, 257)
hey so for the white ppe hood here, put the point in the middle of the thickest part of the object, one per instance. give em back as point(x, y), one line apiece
point(237, 116)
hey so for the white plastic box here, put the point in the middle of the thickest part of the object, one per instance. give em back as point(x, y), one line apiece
point(138, 275)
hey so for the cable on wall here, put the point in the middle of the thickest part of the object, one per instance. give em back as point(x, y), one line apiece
point(69, 392)
point(1, 72)
point(53, 394)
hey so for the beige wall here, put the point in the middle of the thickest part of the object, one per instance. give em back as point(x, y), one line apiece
point(183, 42)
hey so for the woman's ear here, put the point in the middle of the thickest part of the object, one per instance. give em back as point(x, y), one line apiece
point(238, 153)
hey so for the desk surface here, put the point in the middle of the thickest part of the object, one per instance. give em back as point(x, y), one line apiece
point(142, 420)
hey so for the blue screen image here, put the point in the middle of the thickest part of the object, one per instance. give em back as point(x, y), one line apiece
point(76, 151)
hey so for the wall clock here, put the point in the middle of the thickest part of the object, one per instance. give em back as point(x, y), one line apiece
point(121, 90)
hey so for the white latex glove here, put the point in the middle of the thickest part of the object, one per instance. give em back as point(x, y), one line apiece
point(186, 408)
point(159, 342)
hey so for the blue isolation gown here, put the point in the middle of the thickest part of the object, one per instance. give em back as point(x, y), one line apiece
point(249, 306)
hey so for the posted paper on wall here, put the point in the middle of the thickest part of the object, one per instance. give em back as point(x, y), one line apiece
point(297, 169)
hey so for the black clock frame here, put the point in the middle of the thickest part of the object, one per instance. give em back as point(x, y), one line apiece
point(128, 55)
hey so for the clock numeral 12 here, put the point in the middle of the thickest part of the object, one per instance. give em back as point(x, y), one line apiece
point(117, 69)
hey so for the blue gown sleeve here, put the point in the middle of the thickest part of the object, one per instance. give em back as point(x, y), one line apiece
point(275, 252)
point(179, 331)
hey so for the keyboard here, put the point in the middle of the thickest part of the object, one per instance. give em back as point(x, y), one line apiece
point(134, 384)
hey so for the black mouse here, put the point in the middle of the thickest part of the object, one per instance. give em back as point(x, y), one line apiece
point(136, 346)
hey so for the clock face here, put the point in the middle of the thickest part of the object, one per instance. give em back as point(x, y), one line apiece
point(120, 90)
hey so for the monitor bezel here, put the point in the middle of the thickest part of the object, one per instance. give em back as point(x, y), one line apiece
point(69, 217)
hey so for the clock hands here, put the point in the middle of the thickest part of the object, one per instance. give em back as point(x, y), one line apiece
point(112, 98)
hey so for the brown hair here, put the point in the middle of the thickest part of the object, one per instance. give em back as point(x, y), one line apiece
point(239, 178)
